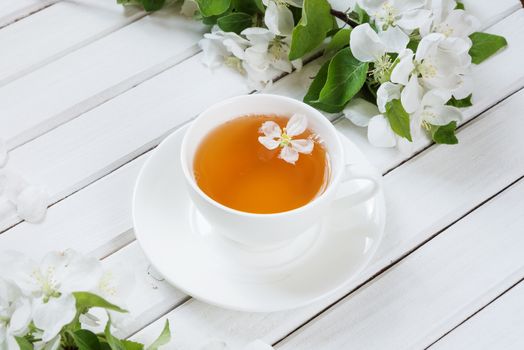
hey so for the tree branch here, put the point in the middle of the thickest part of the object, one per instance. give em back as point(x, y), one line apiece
point(344, 17)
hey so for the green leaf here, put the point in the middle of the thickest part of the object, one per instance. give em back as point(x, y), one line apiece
point(485, 45)
point(398, 119)
point(85, 340)
point(104, 346)
point(248, 6)
point(23, 343)
point(444, 134)
point(163, 338)
point(152, 5)
point(345, 77)
point(213, 7)
point(86, 300)
point(313, 92)
point(362, 15)
point(462, 103)
point(339, 40)
point(459, 6)
point(131, 345)
point(235, 22)
point(114, 343)
point(312, 29)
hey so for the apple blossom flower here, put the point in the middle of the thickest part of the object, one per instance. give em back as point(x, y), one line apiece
point(50, 284)
point(434, 111)
point(278, 17)
point(274, 137)
point(221, 47)
point(406, 14)
point(439, 63)
point(369, 46)
point(15, 314)
point(267, 56)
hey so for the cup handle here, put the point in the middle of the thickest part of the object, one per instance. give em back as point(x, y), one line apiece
point(347, 197)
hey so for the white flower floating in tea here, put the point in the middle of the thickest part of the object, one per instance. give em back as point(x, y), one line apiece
point(274, 137)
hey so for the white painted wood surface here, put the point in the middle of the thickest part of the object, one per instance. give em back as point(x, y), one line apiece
point(498, 326)
point(83, 112)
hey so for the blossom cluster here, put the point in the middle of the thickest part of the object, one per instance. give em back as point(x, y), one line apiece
point(259, 52)
point(424, 76)
point(401, 68)
point(44, 304)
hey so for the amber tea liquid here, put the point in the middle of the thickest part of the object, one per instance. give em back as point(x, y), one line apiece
point(235, 169)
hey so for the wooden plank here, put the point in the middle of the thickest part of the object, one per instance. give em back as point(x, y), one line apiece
point(57, 30)
point(498, 326)
point(77, 153)
point(13, 10)
point(447, 182)
point(430, 291)
point(88, 77)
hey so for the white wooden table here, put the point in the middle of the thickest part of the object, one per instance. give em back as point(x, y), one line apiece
point(88, 89)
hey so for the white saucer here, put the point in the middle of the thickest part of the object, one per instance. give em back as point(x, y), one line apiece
point(183, 248)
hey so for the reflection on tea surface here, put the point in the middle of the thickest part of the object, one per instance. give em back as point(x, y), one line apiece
point(232, 167)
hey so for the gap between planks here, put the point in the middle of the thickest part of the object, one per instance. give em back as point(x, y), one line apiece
point(25, 12)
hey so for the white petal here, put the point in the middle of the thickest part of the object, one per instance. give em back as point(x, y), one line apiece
point(235, 48)
point(21, 318)
point(385, 93)
point(462, 23)
point(436, 97)
point(213, 54)
point(258, 36)
point(444, 115)
point(403, 68)
point(271, 129)
point(31, 204)
point(258, 345)
point(411, 95)
point(279, 19)
point(427, 45)
point(394, 39)
point(464, 88)
point(360, 111)
point(53, 315)
point(365, 44)
point(283, 65)
point(268, 142)
point(414, 19)
point(11, 343)
point(289, 154)
point(380, 133)
point(297, 64)
point(371, 6)
point(408, 5)
point(303, 146)
point(258, 57)
point(82, 274)
point(296, 125)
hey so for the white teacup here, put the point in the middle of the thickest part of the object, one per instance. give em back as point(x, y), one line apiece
point(268, 230)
